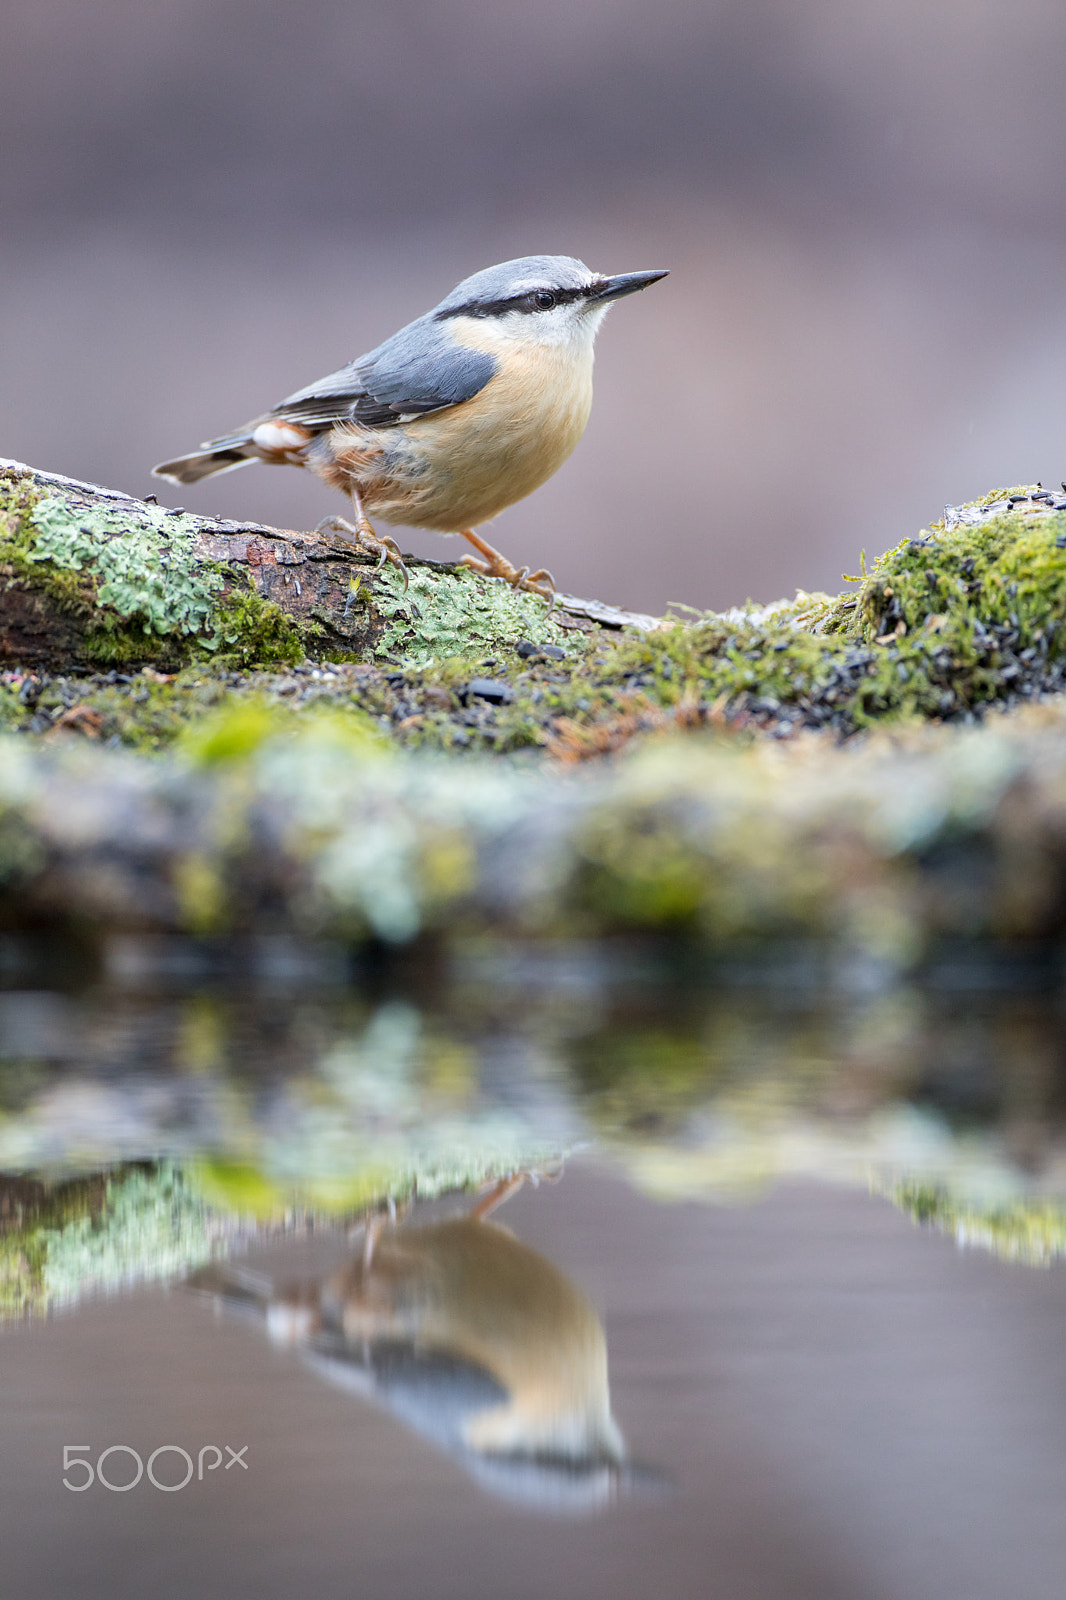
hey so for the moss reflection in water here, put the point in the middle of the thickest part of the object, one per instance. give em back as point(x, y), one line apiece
point(99, 1234)
point(241, 1113)
point(1033, 1232)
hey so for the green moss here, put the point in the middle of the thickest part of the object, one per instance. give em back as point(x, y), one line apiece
point(960, 618)
point(1007, 573)
point(12, 711)
point(242, 1190)
point(231, 733)
point(251, 630)
point(237, 1187)
point(241, 725)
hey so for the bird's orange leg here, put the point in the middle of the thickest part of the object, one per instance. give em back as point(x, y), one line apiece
point(496, 565)
point(380, 545)
point(374, 1226)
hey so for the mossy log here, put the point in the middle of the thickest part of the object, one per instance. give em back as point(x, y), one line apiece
point(91, 577)
point(968, 615)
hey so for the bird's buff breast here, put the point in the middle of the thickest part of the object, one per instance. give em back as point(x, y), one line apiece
point(462, 466)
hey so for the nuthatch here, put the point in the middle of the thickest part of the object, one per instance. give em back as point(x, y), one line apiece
point(463, 412)
point(471, 1338)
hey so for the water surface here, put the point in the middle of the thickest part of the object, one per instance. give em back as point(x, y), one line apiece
point(808, 1393)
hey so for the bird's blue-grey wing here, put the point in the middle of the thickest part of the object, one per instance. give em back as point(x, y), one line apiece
point(420, 369)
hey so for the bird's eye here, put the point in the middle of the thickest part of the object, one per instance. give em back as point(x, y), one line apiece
point(544, 300)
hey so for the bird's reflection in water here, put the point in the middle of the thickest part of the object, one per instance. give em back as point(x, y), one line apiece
point(472, 1339)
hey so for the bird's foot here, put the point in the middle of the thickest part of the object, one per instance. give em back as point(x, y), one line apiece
point(362, 534)
point(496, 565)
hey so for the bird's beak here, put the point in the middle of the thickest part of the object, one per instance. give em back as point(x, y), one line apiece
point(624, 283)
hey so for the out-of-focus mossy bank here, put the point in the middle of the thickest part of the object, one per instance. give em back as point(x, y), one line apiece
point(879, 851)
point(164, 616)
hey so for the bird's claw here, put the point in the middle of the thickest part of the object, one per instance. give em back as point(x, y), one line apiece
point(361, 533)
point(334, 524)
point(496, 565)
point(390, 551)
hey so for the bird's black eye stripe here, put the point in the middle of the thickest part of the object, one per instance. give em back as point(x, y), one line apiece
point(532, 300)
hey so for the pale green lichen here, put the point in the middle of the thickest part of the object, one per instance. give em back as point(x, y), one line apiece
point(445, 614)
point(143, 561)
point(132, 573)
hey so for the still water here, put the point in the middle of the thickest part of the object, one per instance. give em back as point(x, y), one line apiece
point(704, 1349)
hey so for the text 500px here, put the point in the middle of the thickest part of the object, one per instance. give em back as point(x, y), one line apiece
point(160, 1469)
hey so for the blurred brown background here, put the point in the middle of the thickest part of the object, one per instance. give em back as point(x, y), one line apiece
point(204, 206)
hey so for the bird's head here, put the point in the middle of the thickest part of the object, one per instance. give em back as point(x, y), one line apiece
point(541, 299)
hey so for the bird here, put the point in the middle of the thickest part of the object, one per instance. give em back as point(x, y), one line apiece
point(468, 1336)
point(462, 412)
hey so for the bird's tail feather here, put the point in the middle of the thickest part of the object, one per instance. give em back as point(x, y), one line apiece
point(224, 455)
point(233, 1283)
